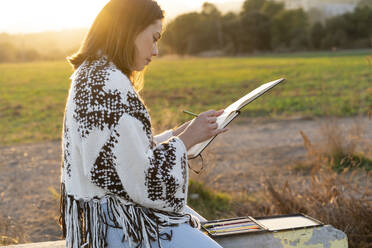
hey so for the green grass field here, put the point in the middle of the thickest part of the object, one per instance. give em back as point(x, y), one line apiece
point(32, 95)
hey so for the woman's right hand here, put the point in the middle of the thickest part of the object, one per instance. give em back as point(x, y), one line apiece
point(202, 128)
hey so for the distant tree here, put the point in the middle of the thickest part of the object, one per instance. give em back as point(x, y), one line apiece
point(195, 32)
point(272, 8)
point(317, 34)
point(365, 3)
point(266, 25)
point(210, 10)
point(337, 29)
point(290, 30)
point(8, 53)
point(212, 26)
point(28, 55)
point(361, 20)
point(255, 31)
point(232, 32)
point(316, 15)
point(350, 30)
point(336, 40)
point(252, 5)
point(181, 32)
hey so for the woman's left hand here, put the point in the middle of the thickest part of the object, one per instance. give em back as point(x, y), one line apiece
point(181, 128)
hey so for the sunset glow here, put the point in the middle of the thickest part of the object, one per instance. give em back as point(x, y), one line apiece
point(19, 16)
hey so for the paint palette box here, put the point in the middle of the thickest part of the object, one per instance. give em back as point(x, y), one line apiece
point(250, 224)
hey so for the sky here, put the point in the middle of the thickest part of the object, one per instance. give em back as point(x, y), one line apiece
point(29, 16)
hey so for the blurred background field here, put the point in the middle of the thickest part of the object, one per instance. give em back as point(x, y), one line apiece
point(318, 84)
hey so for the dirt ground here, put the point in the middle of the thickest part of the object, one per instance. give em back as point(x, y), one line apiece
point(251, 149)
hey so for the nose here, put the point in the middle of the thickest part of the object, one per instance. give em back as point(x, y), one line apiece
point(155, 50)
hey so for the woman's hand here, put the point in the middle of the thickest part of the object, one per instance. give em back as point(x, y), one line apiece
point(201, 128)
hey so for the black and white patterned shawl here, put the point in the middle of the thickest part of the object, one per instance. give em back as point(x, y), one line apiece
point(109, 152)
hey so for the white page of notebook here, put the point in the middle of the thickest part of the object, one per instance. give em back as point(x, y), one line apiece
point(250, 96)
point(281, 223)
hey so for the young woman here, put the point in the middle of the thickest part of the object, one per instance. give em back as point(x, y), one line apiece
point(121, 186)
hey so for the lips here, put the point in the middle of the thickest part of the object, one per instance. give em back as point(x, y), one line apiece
point(148, 61)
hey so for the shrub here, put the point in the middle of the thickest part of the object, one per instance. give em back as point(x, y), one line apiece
point(207, 202)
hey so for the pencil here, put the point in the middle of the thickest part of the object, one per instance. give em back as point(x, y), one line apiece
point(227, 222)
point(235, 229)
point(248, 225)
point(190, 113)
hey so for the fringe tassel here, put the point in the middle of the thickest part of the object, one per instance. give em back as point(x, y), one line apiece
point(84, 223)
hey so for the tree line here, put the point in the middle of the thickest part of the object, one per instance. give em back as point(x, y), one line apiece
point(11, 53)
point(265, 25)
point(260, 26)
point(39, 46)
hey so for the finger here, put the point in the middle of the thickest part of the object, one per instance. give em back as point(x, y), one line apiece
point(211, 119)
point(219, 112)
point(213, 126)
point(210, 112)
point(219, 131)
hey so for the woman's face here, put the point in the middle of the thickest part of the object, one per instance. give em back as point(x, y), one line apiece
point(146, 44)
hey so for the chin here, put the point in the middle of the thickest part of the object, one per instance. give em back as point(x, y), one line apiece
point(140, 68)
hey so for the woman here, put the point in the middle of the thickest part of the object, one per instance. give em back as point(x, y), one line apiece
point(121, 186)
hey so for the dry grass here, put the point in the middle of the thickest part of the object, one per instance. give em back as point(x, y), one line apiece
point(11, 232)
point(339, 147)
point(334, 190)
point(341, 200)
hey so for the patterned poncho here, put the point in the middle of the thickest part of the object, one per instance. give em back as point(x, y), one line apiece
point(109, 152)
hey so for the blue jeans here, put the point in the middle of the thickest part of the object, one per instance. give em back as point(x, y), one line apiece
point(183, 236)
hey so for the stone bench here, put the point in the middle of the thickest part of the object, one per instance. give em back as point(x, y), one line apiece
point(52, 244)
point(319, 237)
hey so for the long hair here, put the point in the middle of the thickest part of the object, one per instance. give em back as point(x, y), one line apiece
point(114, 31)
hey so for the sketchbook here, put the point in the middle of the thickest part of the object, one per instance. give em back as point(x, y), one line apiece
point(231, 112)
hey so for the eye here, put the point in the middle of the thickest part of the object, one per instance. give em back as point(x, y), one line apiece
point(156, 37)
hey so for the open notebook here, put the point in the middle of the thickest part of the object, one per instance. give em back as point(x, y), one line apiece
point(231, 112)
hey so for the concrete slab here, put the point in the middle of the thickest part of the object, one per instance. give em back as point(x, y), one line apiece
point(317, 237)
point(52, 244)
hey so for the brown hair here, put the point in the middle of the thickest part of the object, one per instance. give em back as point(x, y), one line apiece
point(114, 31)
